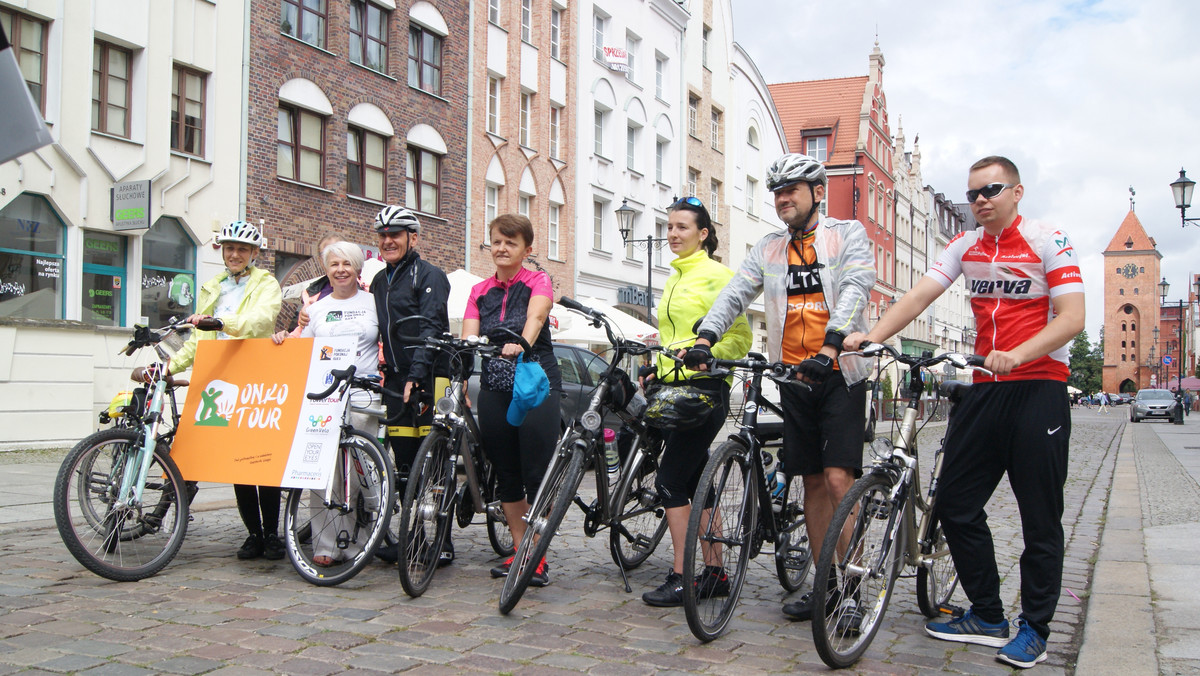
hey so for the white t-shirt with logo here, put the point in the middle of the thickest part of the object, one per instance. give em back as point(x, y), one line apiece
point(355, 316)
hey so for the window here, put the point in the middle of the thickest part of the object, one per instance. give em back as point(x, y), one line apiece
point(693, 114)
point(631, 50)
point(555, 120)
point(366, 164)
point(524, 204)
point(28, 38)
point(187, 111)
point(369, 35)
point(660, 151)
point(103, 278)
point(751, 196)
point(693, 178)
point(599, 23)
point(493, 106)
point(871, 202)
point(716, 130)
point(598, 124)
point(752, 137)
point(660, 75)
point(556, 33)
point(704, 46)
point(491, 208)
point(527, 20)
point(714, 200)
point(523, 129)
point(168, 272)
point(424, 60)
point(817, 148)
point(301, 147)
point(304, 20)
point(552, 232)
point(494, 11)
point(631, 134)
point(423, 181)
point(660, 232)
point(110, 88)
point(31, 245)
point(597, 225)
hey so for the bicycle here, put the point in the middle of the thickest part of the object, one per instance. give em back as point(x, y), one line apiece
point(884, 523)
point(740, 514)
point(350, 515)
point(633, 511)
point(120, 503)
point(432, 494)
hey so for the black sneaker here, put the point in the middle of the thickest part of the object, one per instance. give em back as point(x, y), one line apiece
point(802, 610)
point(669, 594)
point(712, 582)
point(252, 548)
point(272, 548)
point(446, 557)
point(502, 569)
point(540, 577)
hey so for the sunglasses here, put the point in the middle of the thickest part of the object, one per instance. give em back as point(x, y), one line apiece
point(692, 201)
point(989, 191)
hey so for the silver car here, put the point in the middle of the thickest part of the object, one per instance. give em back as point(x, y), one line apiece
point(1153, 404)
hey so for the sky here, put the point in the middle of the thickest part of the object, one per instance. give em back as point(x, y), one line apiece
point(1087, 98)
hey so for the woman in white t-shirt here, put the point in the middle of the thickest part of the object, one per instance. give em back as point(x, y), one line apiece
point(347, 311)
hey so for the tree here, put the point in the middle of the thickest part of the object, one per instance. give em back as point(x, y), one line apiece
point(1087, 363)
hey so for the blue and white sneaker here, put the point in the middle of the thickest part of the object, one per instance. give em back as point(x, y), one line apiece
point(1026, 649)
point(970, 629)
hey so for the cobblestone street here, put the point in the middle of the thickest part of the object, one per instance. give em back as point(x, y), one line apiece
point(209, 613)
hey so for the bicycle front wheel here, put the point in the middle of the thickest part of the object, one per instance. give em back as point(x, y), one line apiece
point(719, 539)
point(936, 578)
point(499, 535)
point(639, 524)
point(793, 556)
point(863, 551)
point(332, 534)
point(102, 530)
point(425, 512)
point(545, 514)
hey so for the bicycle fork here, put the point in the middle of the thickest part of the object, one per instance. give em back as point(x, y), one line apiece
point(138, 466)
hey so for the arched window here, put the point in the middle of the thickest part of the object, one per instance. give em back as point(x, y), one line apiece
point(168, 272)
point(31, 256)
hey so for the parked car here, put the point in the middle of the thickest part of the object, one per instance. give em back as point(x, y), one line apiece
point(1153, 404)
point(1122, 398)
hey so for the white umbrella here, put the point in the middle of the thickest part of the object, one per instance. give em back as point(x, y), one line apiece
point(575, 328)
point(461, 282)
point(1073, 390)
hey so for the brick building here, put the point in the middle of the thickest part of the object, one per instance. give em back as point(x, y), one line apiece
point(1131, 310)
point(354, 105)
point(523, 130)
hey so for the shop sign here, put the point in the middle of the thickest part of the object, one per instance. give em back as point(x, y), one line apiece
point(131, 205)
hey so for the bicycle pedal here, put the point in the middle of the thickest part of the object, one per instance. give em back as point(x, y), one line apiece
point(642, 543)
point(952, 610)
point(343, 539)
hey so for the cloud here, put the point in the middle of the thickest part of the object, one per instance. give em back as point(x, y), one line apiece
point(1088, 98)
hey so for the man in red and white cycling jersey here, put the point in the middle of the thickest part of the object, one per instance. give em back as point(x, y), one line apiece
point(1027, 297)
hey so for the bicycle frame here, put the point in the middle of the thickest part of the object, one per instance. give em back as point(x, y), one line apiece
point(137, 466)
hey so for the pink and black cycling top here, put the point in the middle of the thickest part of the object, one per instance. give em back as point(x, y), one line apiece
point(1012, 279)
point(499, 305)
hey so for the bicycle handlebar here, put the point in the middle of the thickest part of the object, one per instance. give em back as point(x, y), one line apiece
point(974, 362)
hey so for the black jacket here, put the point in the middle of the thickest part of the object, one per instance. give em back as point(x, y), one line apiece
point(412, 287)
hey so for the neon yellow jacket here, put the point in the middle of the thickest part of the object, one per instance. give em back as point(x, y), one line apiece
point(687, 296)
point(255, 317)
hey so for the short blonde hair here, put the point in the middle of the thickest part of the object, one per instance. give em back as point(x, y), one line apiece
point(346, 250)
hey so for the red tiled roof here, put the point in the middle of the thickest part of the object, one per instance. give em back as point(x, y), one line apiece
point(1131, 230)
point(812, 104)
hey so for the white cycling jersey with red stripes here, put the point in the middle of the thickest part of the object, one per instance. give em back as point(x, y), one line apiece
point(1011, 279)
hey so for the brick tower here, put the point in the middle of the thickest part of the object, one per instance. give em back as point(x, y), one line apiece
point(1131, 273)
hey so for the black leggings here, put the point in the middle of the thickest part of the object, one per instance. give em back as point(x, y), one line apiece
point(519, 454)
point(685, 452)
point(251, 500)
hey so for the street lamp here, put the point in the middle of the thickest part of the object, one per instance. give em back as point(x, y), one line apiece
point(1182, 188)
point(625, 214)
point(1163, 288)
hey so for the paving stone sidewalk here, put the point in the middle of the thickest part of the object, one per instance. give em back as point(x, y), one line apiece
point(209, 613)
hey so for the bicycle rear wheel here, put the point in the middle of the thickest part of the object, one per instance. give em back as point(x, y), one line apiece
point(936, 578)
point(639, 524)
point(719, 541)
point(425, 512)
point(846, 618)
point(793, 556)
point(331, 535)
point(545, 514)
point(115, 541)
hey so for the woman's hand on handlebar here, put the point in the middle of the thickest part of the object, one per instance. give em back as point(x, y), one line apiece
point(698, 356)
point(511, 350)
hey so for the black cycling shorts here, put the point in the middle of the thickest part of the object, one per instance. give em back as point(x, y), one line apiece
point(823, 427)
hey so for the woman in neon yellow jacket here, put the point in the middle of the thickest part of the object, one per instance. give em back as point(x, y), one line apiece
point(246, 299)
point(687, 296)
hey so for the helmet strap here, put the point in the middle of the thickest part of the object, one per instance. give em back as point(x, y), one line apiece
point(808, 225)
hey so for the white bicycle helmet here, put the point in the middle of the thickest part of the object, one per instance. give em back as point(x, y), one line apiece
point(795, 168)
point(241, 231)
point(396, 219)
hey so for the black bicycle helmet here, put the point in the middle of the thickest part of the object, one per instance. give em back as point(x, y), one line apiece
point(679, 407)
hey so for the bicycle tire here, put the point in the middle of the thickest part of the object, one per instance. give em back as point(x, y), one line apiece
point(545, 515)
point(936, 578)
point(842, 626)
point(793, 555)
point(639, 523)
point(426, 511)
point(122, 544)
point(352, 535)
point(727, 485)
point(499, 535)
